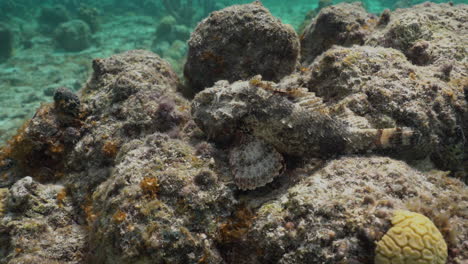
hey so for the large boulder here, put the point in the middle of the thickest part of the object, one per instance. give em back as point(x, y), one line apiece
point(237, 43)
point(428, 34)
point(344, 24)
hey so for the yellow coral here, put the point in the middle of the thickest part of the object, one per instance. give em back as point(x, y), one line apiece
point(413, 239)
point(3, 195)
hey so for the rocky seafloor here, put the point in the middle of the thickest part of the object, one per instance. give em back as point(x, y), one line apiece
point(277, 148)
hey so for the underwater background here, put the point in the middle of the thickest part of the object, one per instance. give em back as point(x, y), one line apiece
point(49, 44)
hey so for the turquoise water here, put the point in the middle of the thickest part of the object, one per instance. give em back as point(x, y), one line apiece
point(38, 53)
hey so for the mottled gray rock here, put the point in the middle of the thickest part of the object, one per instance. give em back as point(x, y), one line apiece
point(237, 43)
point(128, 96)
point(339, 212)
point(39, 226)
point(378, 88)
point(150, 209)
point(66, 101)
point(74, 35)
point(52, 16)
point(343, 24)
point(428, 34)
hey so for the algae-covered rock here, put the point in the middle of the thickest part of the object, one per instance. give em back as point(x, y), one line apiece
point(379, 88)
point(90, 15)
point(339, 212)
point(150, 209)
point(40, 226)
point(427, 33)
point(237, 43)
point(74, 35)
point(129, 95)
point(344, 24)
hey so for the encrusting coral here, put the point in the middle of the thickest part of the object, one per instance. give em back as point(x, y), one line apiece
point(412, 239)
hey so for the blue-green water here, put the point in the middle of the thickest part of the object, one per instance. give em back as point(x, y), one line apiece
point(38, 53)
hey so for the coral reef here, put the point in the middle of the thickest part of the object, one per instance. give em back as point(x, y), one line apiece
point(412, 238)
point(74, 35)
point(181, 10)
point(269, 163)
point(237, 43)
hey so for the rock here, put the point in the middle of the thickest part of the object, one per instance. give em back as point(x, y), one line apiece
point(237, 43)
point(181, 32)
point(343, 24)
point(339, 212)
point(74, 35)
point(312, 13)
point(165, 28)
point(379, 88)
point(428, 34)
point(174, 221)
point(66, 101)
point(6, 43)
point(40, 226)
point(129, 96)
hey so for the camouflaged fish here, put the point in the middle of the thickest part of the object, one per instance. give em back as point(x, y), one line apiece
point(293, 121)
